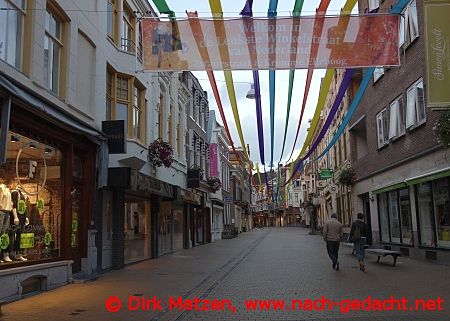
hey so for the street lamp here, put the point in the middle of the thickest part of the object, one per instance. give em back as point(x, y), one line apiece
point(251, 92)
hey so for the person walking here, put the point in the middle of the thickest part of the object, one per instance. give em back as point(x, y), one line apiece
point(332, 233)
point(360, 236)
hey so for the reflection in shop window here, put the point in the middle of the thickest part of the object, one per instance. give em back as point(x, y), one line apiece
point(30, 201)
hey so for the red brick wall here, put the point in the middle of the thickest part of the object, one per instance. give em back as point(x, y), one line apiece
point(394, 82)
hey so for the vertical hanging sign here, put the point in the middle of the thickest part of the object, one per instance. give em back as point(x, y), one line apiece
point(438, 53)
point(213, 161)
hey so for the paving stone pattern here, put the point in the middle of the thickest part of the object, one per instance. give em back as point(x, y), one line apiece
point(269, 263)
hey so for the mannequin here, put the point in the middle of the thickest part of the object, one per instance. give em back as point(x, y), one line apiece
point(5, 212)
point(18, 222)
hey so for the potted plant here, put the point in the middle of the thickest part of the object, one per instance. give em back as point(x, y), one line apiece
point(160, 153)
point(441, 128)
point(214, 183)
point(347, 176)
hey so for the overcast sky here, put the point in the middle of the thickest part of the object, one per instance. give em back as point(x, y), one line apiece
point(243, 79)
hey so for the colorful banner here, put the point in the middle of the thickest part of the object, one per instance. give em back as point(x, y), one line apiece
point(368, 40)
point(213, 161)
point(438, 53)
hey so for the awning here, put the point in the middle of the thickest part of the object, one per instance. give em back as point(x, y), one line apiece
point(389, 188)
point(414, 180)
point(428, 177)
point(64, 120)
point(67, 121)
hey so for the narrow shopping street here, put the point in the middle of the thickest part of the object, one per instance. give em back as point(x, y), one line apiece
point(269, 263)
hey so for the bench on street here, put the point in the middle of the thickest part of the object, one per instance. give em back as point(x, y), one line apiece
point(382, 252)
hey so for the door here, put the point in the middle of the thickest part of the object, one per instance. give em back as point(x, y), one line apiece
point(107, 230)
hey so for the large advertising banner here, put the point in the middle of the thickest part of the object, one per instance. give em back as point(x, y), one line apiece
point(213, 161)
point(437, 32)
point(367, 40)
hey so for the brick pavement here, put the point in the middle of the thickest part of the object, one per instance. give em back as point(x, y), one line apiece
point(272, 263)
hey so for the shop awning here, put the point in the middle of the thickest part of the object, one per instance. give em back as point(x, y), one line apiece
point(428, 177)
point(389, 188)
point(62, 119)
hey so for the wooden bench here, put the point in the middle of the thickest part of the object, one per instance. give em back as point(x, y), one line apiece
point(382, 252)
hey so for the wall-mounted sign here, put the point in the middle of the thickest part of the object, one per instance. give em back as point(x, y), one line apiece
point(326, 173)
point(193, 178)
point(438, 53)
point(115, 131)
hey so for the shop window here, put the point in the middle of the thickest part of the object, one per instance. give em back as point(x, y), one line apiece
point(12, 19)
point(396, 118)
point(137, 231)
point(127, 42)
point(382, 128)
point(441, 190)
point(424, 198)
point(53, 44)
point(415, 105)
point(31, 190)
point(395, 216)
point(125, 100)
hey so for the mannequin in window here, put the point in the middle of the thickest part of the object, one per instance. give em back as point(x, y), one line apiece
point(18, 222)
point(5, 212)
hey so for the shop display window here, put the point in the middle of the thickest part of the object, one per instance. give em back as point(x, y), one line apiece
point(442, 211)
point(30, 201)
point(137, 231)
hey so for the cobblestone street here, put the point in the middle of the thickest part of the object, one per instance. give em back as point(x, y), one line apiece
point(269, 263)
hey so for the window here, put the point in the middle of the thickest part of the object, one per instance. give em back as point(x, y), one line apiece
point(52, 51)
point(127, 41)
point(178, 134)
point(162, 98)
point(415, 105)
point(125, 100)
point(140, 44)
point(409, 25)
point(11, 31)
point(170, 125)
point(374, 4)
point(396, 118)
point(111, 19)
point(377, 73)
point(394, 210)
point(382, 128)
point(433, 202)
point(296, 197)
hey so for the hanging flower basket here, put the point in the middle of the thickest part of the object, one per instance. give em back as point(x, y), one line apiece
point(214, 183)
point(160, 153)
point(441, 128)
point(347, 176)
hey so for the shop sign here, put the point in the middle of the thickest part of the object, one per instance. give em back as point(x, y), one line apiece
point(40, 205)
point(115, 132)
point(326, 173)
point(145, 183)
point(21, 207)
point(27, 240)
point(228, 199)
point(193, 178)
point(438, 53)
point(47, 238)
point(4, 241)
point(192, 197)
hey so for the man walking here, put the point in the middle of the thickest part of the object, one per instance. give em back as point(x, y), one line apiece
point(360, 236)
point(332, 233)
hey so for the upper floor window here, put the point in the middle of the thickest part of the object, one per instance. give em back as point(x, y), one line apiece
point(12, 18)
point(162, 104)
point(382, 128)
point(127, 41)
point(415, 106)
point(409, 24)
point(125, 100)
point(374, 4)
point(52, 51)
point(396, 118)
point(377, 73)
point(111, 20)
